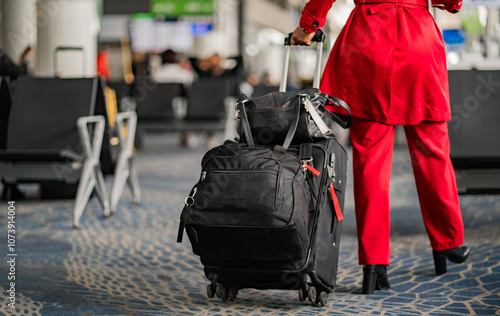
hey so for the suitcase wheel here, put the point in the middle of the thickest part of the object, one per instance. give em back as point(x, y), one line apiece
point(233, 293)
point(322, 299)
point(222, 291)
point(302, 294)
point(311, 294)
point(211, 290)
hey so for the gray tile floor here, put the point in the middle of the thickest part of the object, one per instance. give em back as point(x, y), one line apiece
point(130, 264)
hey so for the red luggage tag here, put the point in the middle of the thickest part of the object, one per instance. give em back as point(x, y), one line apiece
point(311, 168)
point(336, 205)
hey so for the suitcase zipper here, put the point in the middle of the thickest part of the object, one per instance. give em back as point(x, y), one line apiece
point(315, 232)
point(189, 200)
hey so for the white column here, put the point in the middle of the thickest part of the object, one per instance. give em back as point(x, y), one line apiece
point(492, 38)
point(227, 25)
point(67, 23)
point(18, 26)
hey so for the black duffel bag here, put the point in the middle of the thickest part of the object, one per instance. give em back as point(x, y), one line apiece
point(251, 205)
point(270, 116)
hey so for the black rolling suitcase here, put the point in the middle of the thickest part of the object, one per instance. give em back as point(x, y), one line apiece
point(269, 216)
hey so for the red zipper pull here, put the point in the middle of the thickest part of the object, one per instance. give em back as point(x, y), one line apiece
point(336, 205)
point(311, 168)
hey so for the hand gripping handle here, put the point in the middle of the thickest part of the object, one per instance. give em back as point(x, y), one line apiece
point(319, 37)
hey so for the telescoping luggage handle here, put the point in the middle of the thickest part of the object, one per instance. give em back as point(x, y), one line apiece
point(319, 37)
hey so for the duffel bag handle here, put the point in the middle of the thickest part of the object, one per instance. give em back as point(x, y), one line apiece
point(319, 37)
point(338, 102)
point(241, 107)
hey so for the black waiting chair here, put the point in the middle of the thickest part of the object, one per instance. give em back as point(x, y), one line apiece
point(5, 104)
point(159, 106)
point(206, 106)
point(207, 99)
point(474, 129)
point(122, 89)
point(262, 89)
point(123, 92)
point(210, 106)
point(54, 136)
point(155, 101)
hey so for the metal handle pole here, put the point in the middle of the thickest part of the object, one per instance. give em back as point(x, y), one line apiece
point(284, 72)
point(317, 68)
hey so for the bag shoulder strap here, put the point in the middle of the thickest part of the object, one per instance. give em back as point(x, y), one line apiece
point(305, 151)
point(293, 126)
point(182, 224)
point(338, 102)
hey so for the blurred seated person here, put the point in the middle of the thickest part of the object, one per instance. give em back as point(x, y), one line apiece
point(11, 69)
point(173, 69)
point(27, 60)
point(216, 66)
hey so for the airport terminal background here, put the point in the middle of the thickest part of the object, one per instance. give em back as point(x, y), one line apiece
point(133, 33)
point(155, 58)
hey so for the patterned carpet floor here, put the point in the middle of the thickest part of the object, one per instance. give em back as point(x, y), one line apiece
point(130, 264)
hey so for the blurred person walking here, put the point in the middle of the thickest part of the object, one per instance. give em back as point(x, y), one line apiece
point(389, 65)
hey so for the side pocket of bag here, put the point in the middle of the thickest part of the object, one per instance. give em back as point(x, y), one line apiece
point(301, 209)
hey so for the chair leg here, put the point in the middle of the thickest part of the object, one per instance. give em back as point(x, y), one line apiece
point(140, 137)
point(98, 190)
point(7, 192)
point(133, 182)
point(91, 176)
point(85, 188)
point(102, 192)
point(124, 170)
point(121, 175)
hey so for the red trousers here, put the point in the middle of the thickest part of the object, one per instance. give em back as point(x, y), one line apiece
point(429, 148)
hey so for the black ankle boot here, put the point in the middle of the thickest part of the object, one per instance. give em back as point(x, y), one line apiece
point(374, 278)
point(457, 255)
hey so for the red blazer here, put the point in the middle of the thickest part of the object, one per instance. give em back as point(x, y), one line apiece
point(388, 63)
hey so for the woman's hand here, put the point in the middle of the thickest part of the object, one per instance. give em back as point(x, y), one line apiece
point(301, 37)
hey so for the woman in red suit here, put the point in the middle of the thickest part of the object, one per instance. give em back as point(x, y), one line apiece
point(389, 65)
